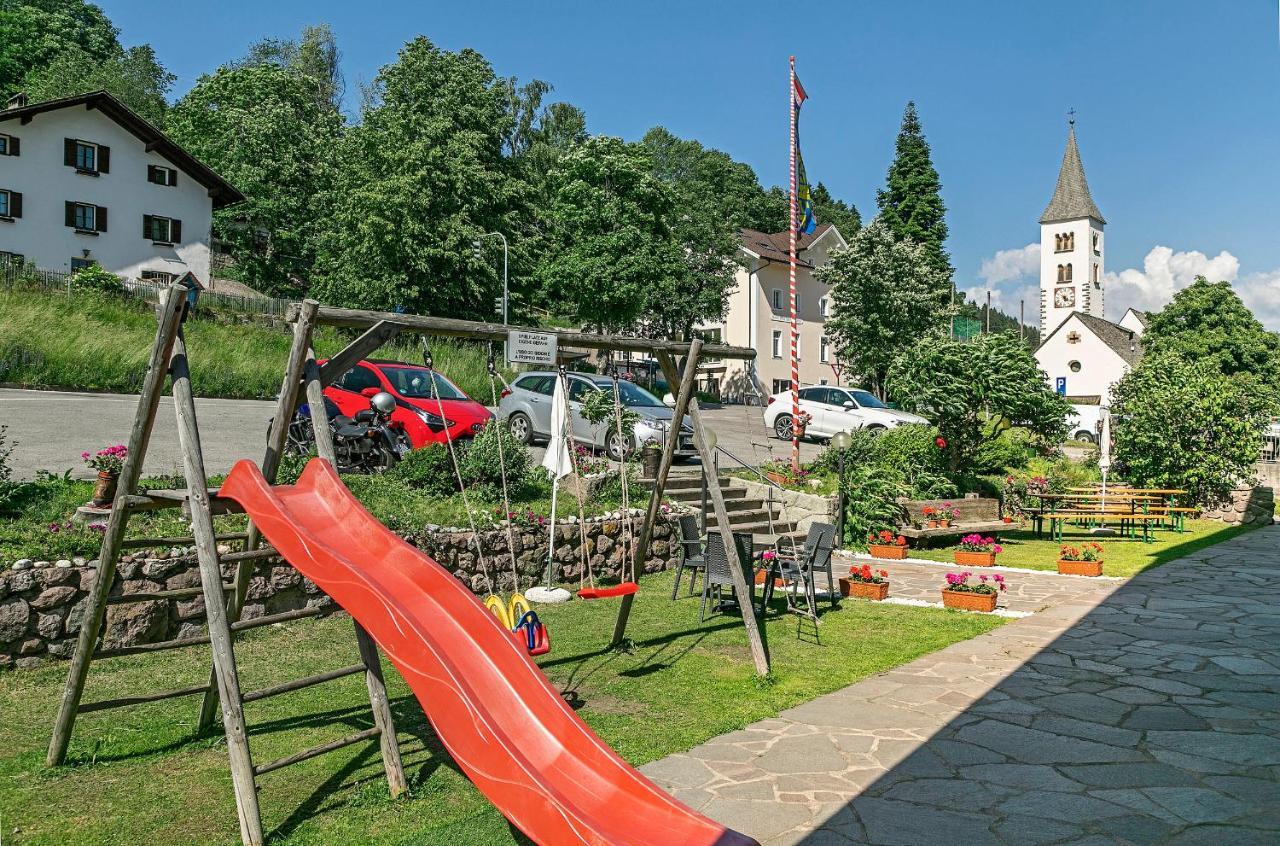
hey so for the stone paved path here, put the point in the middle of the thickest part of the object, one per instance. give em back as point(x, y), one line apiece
point(1146, 715)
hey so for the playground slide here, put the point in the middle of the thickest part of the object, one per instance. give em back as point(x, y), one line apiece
point(492, 708)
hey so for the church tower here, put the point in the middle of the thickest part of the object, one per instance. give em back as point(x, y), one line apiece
point(1071, 245)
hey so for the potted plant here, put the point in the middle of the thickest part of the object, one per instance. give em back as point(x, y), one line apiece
point(802, 423)
point(865, 583)
point(108, 462)
point(977, 551)
point(962, 594)
point(946, 514)
point(766, 559)
point(650, 458)
point(930, 517)
point(883, 544)
point(1083, 560)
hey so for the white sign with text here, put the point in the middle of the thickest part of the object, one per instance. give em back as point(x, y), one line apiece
point(531, 347)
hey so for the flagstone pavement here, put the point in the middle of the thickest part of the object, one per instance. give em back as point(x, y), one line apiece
point(1143, 712)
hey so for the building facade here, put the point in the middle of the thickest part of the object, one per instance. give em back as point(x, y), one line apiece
point(759, 316)
point(84, 180)
point(1072, 246)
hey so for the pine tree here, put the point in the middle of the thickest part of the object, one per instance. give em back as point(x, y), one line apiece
point(911, 204)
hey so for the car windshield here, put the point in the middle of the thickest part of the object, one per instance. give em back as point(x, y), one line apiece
point(867, 400)
point(417, 382)
point(631, 394)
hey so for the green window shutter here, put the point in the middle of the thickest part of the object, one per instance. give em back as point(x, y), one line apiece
point(69, 152)
point(100, 219)
point(15, 204)
point(71, 213)
point(175, 231)
point(104, 158)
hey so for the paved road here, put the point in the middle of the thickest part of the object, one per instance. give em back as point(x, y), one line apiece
point(52, 429)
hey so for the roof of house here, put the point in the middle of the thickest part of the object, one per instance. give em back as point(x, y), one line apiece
point(775, 246)
point(1142, 317)
point(222, 192)
point(1071, 198)
point(1124, 343)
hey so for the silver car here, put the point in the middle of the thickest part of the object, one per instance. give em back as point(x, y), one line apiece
point(526, 407)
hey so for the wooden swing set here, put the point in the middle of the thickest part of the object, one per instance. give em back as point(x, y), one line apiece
point(304, 381)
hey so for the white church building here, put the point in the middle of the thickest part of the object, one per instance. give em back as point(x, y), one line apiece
point(1082, 353)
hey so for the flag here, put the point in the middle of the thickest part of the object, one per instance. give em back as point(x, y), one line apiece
point(805, 220)
point(558, 459)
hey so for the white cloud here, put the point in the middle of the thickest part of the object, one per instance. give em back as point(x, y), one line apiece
point(1261, 293)
point(1011, 264)
point(1164, 273)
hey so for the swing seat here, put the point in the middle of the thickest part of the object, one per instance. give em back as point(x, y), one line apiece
point(532, 634)
point(623, 589)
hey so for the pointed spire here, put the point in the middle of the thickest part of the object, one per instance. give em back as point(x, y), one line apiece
point(1071, 199)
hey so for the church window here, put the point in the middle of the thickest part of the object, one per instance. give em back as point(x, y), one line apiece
point(1067, 277)
point(1096, 282)
point(1062, 271)
point(1075, 366)
point(1097, 244)
point(1064, 242)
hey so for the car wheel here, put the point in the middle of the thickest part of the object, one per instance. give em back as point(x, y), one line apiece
point(617, 446)
point(1086, 436)
point(782, 427)
point(876, 428)
point(520, 427)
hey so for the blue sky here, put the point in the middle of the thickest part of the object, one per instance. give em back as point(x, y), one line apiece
point(1178, 106)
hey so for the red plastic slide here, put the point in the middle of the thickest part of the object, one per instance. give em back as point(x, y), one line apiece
point(492, 708)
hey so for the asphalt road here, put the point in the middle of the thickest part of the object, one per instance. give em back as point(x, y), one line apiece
point(51, 429)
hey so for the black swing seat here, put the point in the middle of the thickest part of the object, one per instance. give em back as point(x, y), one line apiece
point(623, 589)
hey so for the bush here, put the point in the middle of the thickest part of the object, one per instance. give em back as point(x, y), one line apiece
point(870, 504)
point(94, 278)
point(907, 455)
point(428, 469)
point(481, 464)
point(8, 487)
point(1012, 449)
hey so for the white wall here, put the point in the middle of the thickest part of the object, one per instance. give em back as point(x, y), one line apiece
point(1088, 296)
point(41, 235)
point(1100, 366)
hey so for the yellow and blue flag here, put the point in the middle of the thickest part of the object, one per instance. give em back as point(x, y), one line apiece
point(805, 220)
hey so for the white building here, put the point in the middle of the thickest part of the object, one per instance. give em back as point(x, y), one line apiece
point(1071, 246)
point(85, 180)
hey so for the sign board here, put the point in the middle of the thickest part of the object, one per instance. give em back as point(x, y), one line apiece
point(531, 347)
point(1059, 385)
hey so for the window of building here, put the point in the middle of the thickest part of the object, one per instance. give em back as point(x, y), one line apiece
point(780, 385)
point(1064, 273)
point(161, 230)
point(777, 299)
point(81, 264)
point(824, 350)
point(162, 175)
point(797, 302)
point(1075, 366)
point(1064, 242)
point(1097, 244)
point(9, 145)
point(709, 336)
point(10, 204)
point(159, 277)
point(824, 306)
point(86, 217)
point(1095, 273)
point(777, 343)
point(7, 259)
point(85, 156)
point(799, 355)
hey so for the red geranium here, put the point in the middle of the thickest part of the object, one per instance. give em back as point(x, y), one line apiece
point(941, 442)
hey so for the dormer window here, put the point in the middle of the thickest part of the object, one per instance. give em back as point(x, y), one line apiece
point(159, 175)
point(86, 157)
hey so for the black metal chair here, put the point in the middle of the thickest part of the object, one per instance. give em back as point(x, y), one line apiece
point(691, 557)
point(718, 574)
point(798, 568)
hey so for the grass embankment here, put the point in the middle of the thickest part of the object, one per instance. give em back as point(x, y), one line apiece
point(98, 342)
point(138, 775)
point(1121, 556)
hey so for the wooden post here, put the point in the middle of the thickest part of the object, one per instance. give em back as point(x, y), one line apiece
point(381, 705)
point(683, 395)
point(224, 662)
point(319, 414)
point(168, 315)
point(743, 590)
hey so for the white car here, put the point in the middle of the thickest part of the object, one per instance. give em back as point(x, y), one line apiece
point(832, 410)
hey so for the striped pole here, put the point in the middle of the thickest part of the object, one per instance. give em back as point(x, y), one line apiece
point(791, 241)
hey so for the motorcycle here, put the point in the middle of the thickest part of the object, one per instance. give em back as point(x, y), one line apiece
point(370, 442)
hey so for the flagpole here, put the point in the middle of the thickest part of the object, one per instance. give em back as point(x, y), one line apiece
point(791, 242)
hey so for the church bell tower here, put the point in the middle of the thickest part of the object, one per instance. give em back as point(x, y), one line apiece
point(1071, 245)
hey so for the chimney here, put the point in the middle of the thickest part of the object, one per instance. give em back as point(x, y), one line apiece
point(17, 101)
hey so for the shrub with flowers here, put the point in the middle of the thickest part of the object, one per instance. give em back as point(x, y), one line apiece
point(867, 575)
point(781, 468)
point(587, 462)
point(977, 543)
point(1085, 552)
point(109, 460)
point(1022, 492)
point(521, 519)
point(959, 582)
point(884, 537)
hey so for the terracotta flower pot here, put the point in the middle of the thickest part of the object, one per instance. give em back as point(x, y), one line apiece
point(932, 524)
point(1006, 520)
point(776, 478)
point(946, 524)
point(760, 577)
point(1080, 568)
point(969, 601)
point(975, 559)
point(104, 490)
point(864, 590)
point(888, 551)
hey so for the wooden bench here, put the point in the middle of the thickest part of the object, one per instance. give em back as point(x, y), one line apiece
point(1128, 520)
point(977, 516)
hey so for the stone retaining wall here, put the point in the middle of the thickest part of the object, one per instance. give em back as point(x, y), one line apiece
point(42, 604)
point(798, 508)
point(1248, 507)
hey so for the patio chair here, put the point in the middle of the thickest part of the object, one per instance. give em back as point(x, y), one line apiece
point(691, 557)
point(718, 574)
point(799, 567)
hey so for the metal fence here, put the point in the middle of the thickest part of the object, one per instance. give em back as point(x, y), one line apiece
point(1271, 445)
point(27, 278)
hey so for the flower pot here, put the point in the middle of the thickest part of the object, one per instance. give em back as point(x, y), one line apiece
point(1006, 520)
point(888, 551)
point(932, 524)
point(649, 461)
point(1080, 568)
point(776, 478)
point(104, 490)
point(946, 524)
point(864, 590)
point(969, 601)
point(760, 577)
point(975, 559)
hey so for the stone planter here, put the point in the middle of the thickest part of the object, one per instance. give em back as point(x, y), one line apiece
point(864, 590)
point(887, 551)
point(969, 601)
point(104, 490)
point(966, 558)
point(1080, 568)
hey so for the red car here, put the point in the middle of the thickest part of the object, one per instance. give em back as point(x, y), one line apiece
point(417, 408)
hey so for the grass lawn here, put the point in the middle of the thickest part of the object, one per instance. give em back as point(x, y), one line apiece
point(1121, 556)
point(139, 776)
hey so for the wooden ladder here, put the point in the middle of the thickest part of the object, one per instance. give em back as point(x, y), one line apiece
point(224, 601)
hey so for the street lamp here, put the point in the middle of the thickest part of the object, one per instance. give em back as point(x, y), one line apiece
point(840, 441)
point(476, 244)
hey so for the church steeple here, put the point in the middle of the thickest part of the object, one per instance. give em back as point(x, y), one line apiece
point(1071, 199)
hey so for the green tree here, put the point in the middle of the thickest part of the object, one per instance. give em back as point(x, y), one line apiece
point(827, 209)
point(34, 33)
point(911, 201)
point(615, 256)
point(1180, 422)
point(262, 128)
point(974, 390)
point(886, 295)
point(314, 57)
point(422, 176)
point(1207, 321)
point(135, 76)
